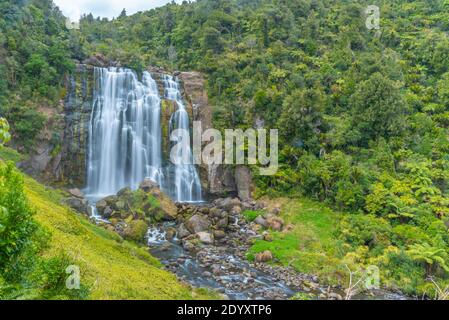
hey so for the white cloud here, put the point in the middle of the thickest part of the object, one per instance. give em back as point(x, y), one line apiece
point(105, 8)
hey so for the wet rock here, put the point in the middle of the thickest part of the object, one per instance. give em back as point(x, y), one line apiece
point(265, 256)
point(223, 223)
point(182, 231)
point(261, 221)
point(219, 234)
point(77, 204)
point(216, 269)
point(188, 245)
point(147, 185)
point(205, 237)
point(170, 233)
point(197, 223)
point(101, 205)
point(124, 192)
point(77, 193)
point(107, 213)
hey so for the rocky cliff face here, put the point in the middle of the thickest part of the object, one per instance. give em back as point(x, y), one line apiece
point(67, 165)
point(77, 110)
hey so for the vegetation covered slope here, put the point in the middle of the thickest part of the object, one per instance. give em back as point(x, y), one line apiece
point(110, 267)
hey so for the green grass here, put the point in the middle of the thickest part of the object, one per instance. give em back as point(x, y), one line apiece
point(251, 215)
point(309, 246)
point(8, 154)
point(110, 267)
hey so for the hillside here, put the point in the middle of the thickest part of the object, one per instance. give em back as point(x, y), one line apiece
point(110, 268)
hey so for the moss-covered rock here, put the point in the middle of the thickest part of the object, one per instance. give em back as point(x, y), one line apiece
point(136, 231)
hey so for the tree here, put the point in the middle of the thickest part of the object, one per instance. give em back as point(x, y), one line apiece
point(378, 109)
point(432, 257)
point(122, 14)
point(301, 119)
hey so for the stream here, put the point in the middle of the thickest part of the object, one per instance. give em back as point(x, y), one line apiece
point(217, 268)
point(225, 270)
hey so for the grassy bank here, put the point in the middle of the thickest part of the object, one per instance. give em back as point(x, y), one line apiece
point(110, 267)
point(309, 245)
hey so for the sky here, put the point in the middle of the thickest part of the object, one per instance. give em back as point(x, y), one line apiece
point(105, 8)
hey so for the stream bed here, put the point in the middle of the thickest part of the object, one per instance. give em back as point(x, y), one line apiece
point(217, 268)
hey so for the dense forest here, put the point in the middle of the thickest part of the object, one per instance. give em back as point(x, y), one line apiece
point(363, 114)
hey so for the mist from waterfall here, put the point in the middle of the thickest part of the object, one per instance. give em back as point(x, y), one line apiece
point(125, 137)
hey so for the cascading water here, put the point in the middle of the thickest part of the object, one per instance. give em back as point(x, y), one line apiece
point(125, 137)
point(187, 186)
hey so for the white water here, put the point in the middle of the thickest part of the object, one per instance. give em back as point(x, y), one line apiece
point(187, 186)
point(125, 139)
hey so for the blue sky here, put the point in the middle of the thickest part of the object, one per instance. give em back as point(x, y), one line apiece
point(105, 8)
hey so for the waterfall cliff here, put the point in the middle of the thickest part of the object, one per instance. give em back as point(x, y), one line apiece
point(125, 136)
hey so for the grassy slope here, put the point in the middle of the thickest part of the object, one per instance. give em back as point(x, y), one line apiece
point(309, 246)
point(113, 269)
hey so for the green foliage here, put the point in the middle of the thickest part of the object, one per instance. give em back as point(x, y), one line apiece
point(251, 215)
point(4, 131)
point(17, 226)
point(432, 257)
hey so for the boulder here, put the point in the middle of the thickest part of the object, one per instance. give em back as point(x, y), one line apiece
point(243, 182)
point(77, 204)
point(147, 185)
point(275, 223)
point(236, 210)
point(215, 212)
point(107, 213)
point(188, 245)
point(168, 207)
point(120, 205)
point(124, 192)
point(261, 221)
point(77, 193)
point(205, 237)
point(197, 223)
point(136, 231)
point(101, 206)
point(223, 222)
point(182, 231)
point(265, 256)
point(219, 234)
point(170, 234)
point(228, 204)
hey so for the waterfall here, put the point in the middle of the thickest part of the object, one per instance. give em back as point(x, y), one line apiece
point(187, 186)
point(125, 137)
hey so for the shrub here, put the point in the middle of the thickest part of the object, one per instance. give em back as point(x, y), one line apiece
point(16, 223)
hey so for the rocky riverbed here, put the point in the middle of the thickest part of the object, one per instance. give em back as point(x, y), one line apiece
point(206, 245)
